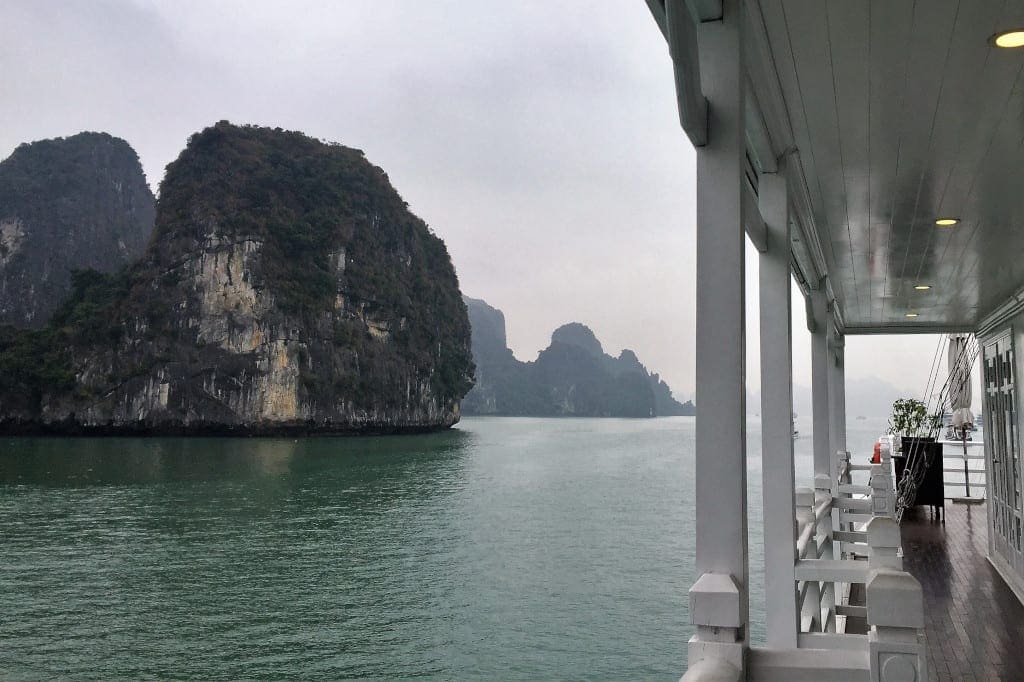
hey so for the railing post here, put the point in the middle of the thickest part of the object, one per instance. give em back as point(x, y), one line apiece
point(823, 493)
point(895, 606)
point(810, 607)
point(884, 541)
point(844, 465)
point(895, 610)
point(883, 498)
point(879, 493)
point(842, 477)
point(715, 610)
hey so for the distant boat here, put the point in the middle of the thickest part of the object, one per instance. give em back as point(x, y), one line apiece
point(861, 417)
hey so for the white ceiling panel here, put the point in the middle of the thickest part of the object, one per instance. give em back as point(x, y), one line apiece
point(902, 112)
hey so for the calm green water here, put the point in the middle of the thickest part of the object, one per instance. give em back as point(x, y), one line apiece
point(506, 548)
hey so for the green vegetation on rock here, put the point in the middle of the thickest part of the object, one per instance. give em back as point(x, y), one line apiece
point(286, 286)
point(65, 204)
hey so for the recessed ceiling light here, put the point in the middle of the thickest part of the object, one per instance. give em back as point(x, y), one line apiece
point(946, 222)
point(911, 315)
point(923, 287)
point(1014, 38)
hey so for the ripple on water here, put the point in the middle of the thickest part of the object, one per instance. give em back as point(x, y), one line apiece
point(508, 548)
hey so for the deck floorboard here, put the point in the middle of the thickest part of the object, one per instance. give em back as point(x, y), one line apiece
point(974, 623)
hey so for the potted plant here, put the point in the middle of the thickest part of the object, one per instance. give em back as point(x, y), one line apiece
point(912, 423)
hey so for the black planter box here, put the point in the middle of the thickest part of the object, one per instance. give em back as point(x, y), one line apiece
point(932, 491)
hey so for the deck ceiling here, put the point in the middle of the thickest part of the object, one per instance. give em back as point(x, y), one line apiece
point(902, 112)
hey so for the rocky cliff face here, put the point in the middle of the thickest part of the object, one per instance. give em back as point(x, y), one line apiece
point(573, 376)
point(488, 331)
point(286, 288)
point(579, 336)
point(76, 202)
point(504, 385)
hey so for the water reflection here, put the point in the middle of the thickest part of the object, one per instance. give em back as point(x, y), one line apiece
point(63, 462)
point(512, 549)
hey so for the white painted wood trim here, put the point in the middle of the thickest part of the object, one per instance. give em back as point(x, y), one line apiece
point(832, 570)
point(798, 665)
point(1009, 577)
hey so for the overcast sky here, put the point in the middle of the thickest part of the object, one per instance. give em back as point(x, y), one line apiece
point(540, 140)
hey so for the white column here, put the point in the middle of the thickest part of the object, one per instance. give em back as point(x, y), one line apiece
point(782, 619)
point(824, 455)
point(837, 419)
point(819, 381)
point(718, 600)
point(837, 393)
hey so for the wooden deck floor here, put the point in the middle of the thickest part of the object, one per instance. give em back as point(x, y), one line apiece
point(974, 623)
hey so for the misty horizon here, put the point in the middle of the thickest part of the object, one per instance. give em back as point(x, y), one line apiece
point(558, 176)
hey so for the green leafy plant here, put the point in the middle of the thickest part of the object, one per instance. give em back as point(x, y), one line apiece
point(910, 418)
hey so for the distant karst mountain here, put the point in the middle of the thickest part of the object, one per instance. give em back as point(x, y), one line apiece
point(571, 377)
point(67, 203)
point(287, 288)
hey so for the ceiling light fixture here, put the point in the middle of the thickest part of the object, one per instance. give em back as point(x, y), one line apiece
point(911, 315)
point(923, 287)
point(1009, 39)
point(946, 222)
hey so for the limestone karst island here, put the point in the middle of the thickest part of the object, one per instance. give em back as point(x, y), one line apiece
point(572, 377)
point(279, 285)
point(286, 287)
point(518, 341)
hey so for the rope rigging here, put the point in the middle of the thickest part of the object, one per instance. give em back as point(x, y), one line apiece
point(917, 461)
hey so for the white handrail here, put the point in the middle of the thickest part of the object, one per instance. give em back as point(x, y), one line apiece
point(804, 540)
point(839, 524)
point(823, 509)
point(954, 451)
point(823, 562)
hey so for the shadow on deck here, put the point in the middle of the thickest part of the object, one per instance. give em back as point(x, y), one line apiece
point(974, 623)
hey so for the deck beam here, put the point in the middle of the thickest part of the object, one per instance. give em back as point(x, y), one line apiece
point(682, 35)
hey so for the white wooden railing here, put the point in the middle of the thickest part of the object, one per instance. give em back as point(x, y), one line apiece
point(846, 535)
point(830, 548)
point(968, 465)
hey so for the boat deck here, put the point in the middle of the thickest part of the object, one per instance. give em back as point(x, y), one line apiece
point(974, 623)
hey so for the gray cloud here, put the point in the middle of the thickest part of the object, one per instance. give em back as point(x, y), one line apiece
point(539, 139)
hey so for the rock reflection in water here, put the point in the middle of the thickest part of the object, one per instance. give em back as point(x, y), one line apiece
point(133, 461)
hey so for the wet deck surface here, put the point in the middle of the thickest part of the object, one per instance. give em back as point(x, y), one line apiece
point(973, 622)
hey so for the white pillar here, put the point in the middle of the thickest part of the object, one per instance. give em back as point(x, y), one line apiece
point(837, 417)
point(721, 472)
point(782, 618)
point(837, 393)
point(823, 454)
